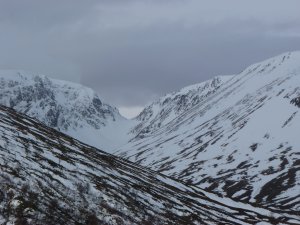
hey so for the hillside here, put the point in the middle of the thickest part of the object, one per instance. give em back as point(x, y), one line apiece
point(50, 178)
point(240, 141)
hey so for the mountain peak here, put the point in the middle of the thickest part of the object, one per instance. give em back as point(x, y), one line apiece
point(65, 106)
point(286, 62)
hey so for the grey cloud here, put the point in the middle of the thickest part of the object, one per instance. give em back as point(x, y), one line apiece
point(133, 51)
point(169, 59)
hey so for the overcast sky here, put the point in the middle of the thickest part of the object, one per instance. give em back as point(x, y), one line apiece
point(132, 51)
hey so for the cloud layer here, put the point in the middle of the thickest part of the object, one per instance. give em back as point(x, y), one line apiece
point(133, 51)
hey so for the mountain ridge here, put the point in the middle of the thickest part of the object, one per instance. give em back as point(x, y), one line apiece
point(175, 103)
point(240, 141)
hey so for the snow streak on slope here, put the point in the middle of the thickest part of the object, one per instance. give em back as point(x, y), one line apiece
point(240, 141)
point(47, 177)
point(71, 108)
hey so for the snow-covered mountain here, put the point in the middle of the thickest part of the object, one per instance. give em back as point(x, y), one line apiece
point(49, 178)
point(237, 136)
point(68, 107)
point(240, 139)
point(172, 105)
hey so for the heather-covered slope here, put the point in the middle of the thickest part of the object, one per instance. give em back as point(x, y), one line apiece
point(241, 140)
point(49, 178)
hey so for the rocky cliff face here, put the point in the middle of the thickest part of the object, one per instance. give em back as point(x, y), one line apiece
point(67, 107)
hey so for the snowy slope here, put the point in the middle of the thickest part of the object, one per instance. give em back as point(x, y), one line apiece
point(47, 177)
point(172, 105)
point(234, 135)
point(241, 140)
point(71, 108)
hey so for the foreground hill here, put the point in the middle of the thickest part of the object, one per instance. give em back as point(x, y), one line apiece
point(47, 177)
point(68, 107)
point(241, 140)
